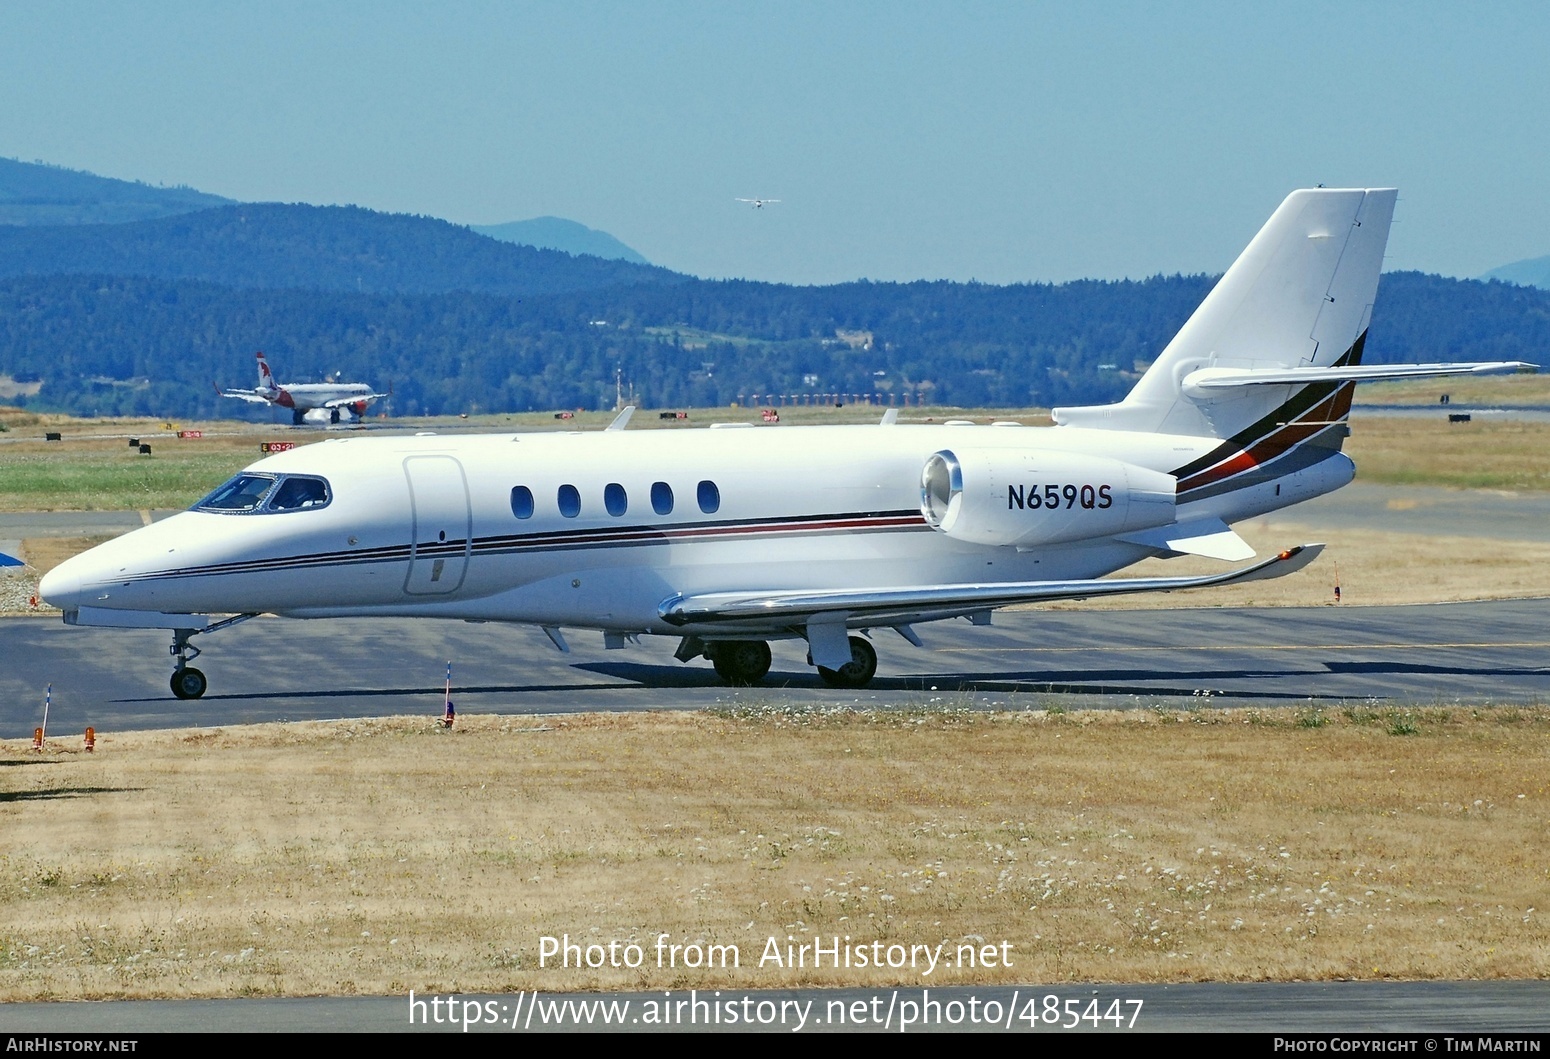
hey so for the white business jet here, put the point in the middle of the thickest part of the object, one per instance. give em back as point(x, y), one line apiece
point(323, 402)
point(732, 538)
point(759, 204)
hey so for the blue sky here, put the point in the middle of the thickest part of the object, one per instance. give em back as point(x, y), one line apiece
point(999, 142)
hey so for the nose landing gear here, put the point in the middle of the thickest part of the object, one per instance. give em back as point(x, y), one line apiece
point(188, 682)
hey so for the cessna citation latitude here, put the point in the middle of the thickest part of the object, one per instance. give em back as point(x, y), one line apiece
point(732, 538)
point(323, 402)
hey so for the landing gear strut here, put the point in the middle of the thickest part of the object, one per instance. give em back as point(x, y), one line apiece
point(858, 672)
point(740, 663)
point(188, 682)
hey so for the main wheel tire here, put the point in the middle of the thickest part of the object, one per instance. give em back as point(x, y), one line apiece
point(741, 662)
point(189, 683)
point(858, 672)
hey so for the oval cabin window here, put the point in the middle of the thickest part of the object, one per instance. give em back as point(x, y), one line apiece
point(615, 500)
point(570, 501)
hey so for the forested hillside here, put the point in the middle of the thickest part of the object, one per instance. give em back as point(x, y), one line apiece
point(557, 233)
point(32, 194)
point(144, 346)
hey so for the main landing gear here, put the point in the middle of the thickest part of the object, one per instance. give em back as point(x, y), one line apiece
point(188, 682)
point(858, 672)
point(743, 663)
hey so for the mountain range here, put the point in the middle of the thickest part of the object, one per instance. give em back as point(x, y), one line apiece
point(36, 194)
point(1535, 272)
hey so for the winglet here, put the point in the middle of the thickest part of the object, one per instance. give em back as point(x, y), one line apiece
point(890, 417)
point(622, 418)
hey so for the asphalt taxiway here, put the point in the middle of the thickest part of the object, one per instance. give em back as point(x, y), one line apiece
point(270, 669)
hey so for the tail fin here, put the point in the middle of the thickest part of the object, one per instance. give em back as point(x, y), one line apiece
point(1300, 296)
point(265, 376)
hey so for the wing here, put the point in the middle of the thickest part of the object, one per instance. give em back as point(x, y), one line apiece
point(246, 395)
point(340, 402)
point(859, 608)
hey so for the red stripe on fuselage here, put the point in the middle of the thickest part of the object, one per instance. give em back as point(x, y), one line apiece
point(1281, 440)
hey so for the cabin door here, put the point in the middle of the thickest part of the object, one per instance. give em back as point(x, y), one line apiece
point(441, 527)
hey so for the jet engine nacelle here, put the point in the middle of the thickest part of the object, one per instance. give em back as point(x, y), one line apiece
point(1022, 498)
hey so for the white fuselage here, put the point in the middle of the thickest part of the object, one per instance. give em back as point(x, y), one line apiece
point(307, 396)
point(428, 525)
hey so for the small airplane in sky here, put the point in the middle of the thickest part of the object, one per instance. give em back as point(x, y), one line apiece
point(759, 204)
point(320, 402)
point(729, 538)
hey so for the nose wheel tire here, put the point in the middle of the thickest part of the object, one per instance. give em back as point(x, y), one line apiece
point(189, 683)
point(858, 672)
point(741, 663)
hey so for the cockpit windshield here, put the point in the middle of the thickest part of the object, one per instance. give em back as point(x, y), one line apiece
point(249, 494)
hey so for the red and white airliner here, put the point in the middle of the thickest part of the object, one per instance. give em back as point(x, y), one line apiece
point(323, 402)
point(730, 538)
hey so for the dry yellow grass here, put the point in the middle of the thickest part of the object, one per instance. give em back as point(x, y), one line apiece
point(1374, 569)
point(378, 856)
point(1486, 391)
point(1483, 454)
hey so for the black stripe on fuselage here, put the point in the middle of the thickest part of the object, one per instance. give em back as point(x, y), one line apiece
point(570, 540)
point(1281, 420)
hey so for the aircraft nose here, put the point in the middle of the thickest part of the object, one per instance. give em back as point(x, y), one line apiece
point(61, 586)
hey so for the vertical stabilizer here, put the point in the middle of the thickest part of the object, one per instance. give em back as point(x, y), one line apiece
point(265, 377)
point(1300, 296)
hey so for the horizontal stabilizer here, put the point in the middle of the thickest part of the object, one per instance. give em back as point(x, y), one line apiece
point(1202, 381)
point(862, 607)
point(1210, 537)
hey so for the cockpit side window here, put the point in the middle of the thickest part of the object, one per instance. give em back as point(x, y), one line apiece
point(245, 492)
point(262, 494)
point(298, 492)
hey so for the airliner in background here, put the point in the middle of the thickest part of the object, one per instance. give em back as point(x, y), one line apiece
point(729, 538)
point(321, 402)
